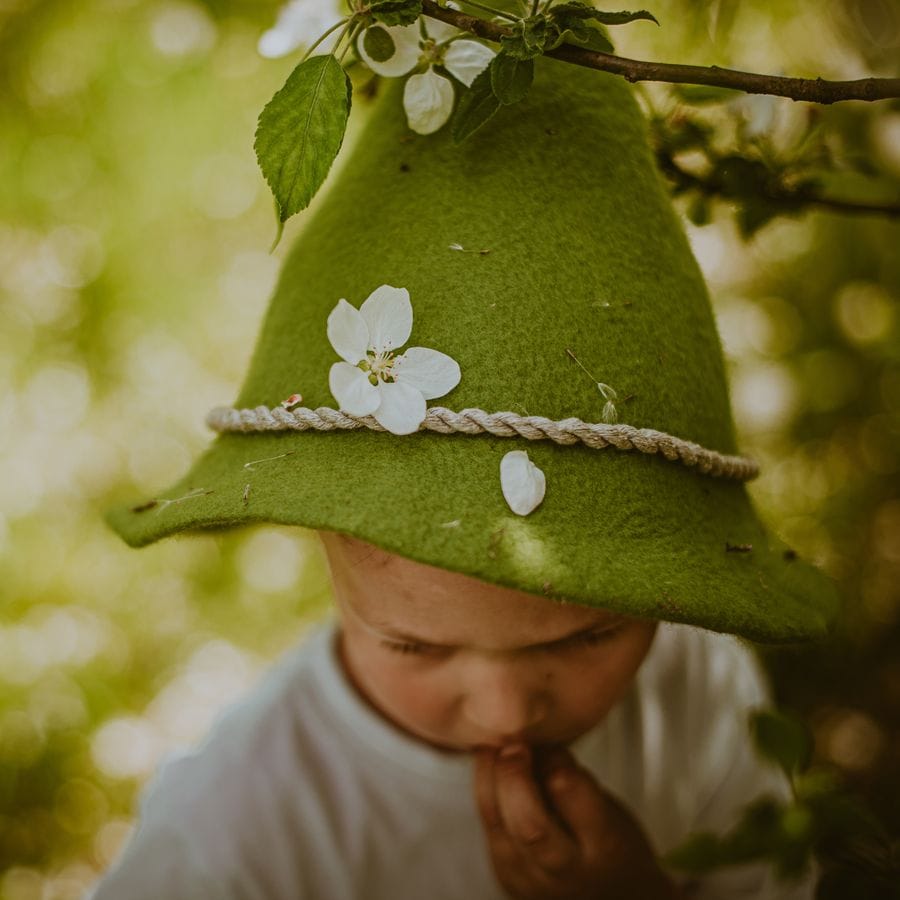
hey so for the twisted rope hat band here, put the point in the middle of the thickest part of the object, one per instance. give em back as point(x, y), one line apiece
point(500, 424)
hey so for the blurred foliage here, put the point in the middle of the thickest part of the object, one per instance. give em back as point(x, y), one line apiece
point(134, 270)
point(821, 820)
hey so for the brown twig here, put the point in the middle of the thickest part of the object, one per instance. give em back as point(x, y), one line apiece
point(787, 198)
point(813, 90)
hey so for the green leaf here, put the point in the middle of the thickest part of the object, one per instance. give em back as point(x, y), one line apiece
point(396, 12)
point(623, 18)
point(300, 132)
point(476, 106)
point(581, 32)
point(754, 837)
point(529, 37)
point(753, 213)
point(378, 43)
point(574, 22)
point(779, 737)
point(598, 39)
point(699, 853)
point(698, 211)
point(511, 77)
point(738, 176)
point(580, 10)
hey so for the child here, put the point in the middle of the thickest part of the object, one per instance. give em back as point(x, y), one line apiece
point(498, 709)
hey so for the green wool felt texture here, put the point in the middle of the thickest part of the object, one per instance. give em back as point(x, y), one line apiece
point(585, 254)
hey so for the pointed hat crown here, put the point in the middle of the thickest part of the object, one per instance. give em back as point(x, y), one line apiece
point(543, 257)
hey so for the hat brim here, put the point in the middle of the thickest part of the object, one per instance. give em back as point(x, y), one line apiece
point(620, 530)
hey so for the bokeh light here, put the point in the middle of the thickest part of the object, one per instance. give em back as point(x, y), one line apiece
point(134, 271)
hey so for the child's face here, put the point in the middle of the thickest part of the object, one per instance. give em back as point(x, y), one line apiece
point(460, 663)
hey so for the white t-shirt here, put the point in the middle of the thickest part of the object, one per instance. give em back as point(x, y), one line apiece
point(303, 792)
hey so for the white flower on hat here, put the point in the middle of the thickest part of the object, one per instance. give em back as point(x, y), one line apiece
point(522, 482)
point(373, 380)
point(428, 97)
point(300, 23)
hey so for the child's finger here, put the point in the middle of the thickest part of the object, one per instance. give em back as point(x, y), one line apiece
point(485, 797)
point(599, 823)
point(503, 851)
point(524, 813)
point(579, 802)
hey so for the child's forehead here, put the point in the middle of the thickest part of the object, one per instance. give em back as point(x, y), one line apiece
point(403, 598)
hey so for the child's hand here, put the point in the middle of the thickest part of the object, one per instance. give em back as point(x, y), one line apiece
point(554, 834)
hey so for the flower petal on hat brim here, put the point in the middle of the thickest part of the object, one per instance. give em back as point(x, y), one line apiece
point(522, 482)
point(466, 60)
point(388, 316)
point(428, 101)
point(348, 333)
point(351, 387)
point(430, 372)
point(406, 51)
point(402, 408)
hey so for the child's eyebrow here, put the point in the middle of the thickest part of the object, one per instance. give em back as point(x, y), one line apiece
point(406, 638)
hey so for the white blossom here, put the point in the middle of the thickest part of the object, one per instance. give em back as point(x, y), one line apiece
point(428, 96)
point(373, 379)
point(522, 482)
point(300, 23)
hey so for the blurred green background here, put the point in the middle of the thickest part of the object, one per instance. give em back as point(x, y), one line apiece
point(134, 270)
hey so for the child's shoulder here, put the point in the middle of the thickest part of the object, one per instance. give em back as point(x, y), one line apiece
point(246, 731)
point(700, 667)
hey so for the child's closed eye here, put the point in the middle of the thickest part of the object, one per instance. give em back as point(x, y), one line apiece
point(413, 648)
point(588, 639)
point(592, 638)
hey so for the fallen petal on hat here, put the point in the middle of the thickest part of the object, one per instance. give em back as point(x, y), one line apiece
point(406, 51)
point(402, 408)
point(430, 372)
point(466, 60)
point(352, 389)
point(388, 315)
point(428, 101)
point(348, 333)
point(522, 482)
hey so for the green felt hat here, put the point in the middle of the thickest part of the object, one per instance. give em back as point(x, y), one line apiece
point(541, 255)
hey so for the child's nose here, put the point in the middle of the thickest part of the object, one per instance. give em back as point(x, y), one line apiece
point(503, 702)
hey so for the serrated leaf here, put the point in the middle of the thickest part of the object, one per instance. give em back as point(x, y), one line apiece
point(300, 132)
point(598, 39)
point(511, 77)
point(580, 10)
point(476, 106)
point(396, 12)
point(779, 737)
point(378, 43)
point(529, 37)
point(514, 46)
point(582, 33)
point(623, 18)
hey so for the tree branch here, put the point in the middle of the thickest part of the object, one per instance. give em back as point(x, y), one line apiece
point(786, 198)
point(813, 90)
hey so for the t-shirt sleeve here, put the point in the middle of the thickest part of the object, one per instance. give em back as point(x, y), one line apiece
point(736, 774)
point(162, 858)
point(158, 863)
